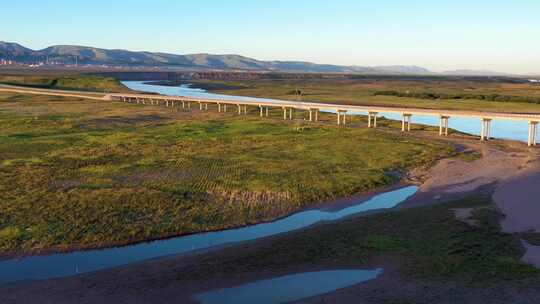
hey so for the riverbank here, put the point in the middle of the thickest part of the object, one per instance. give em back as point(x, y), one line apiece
point(366, 92)
point(435, 251)
point(137, 173)
point(475, 172)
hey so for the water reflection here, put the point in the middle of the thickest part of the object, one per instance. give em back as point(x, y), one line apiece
point(288, 288)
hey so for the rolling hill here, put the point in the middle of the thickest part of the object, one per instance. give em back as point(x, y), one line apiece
point(70, 54)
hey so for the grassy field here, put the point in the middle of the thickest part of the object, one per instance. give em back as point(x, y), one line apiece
point(79, 173)
point(364, 92)
point(427, 243)
point(65, 82)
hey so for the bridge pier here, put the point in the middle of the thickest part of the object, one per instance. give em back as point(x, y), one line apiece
point(485, 132)
point(245, 109)
point(443, 125)
point(311, 116)
point(284, 113)
point(239, 109)
point(225, 107)
point(406, 120)
point(290, 113)
point(266, 114)
point(533, 130)
point(374, 116)
point(260, 111)
point(341, 114)
point(219, 107)
point(206, 106)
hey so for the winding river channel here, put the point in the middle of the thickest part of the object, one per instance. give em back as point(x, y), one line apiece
point(68, 264)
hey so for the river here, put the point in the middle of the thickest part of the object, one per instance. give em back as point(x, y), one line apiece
point(503, 129)
point(68, 264)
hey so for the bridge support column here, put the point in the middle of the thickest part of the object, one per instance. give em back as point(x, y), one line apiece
point(219, 107)
point(239, 109)
point(225, 108)
point(183, 104)
point(533, 130)
point(316, 115)
point(260, 111)
point(443, 125)
point(284, 113)
point(245, 109)
point(406, 121)
point(290, 113)
point(341, 117)
point(206, 106)
point(189, 104)
point(266, 114)
point(200, 106)
point(485, 132)
point(374, 116)
point(310, 115)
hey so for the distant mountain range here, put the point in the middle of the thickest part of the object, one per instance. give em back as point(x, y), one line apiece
point(82, 55)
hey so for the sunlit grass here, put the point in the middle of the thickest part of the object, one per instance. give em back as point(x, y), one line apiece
point(94, 175)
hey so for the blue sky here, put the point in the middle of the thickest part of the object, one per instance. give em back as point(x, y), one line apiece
point(440, 35)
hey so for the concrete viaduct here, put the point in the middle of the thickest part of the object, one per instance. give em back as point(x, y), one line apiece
point(313, 109)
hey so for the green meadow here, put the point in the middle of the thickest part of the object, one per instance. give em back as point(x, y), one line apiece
point(75, 82)
point(76, 173)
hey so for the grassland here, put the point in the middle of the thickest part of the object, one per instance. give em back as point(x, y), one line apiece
point(65, 82)
point(428, 243)
point(367, 92)
point(76, 173)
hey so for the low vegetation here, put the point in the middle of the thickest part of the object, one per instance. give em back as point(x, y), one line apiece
point(67, 82)
point(437, 93)
point(426, 242)
point(435, 96)
point(78, 173)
